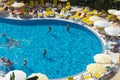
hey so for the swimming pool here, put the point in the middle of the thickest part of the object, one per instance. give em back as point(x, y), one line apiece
point(67, 52)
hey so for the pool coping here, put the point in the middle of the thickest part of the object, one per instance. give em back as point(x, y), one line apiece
point(67, 20)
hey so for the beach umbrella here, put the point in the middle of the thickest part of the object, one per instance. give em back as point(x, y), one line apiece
point(101, 23)
point(112, 31)
point(96, 68)
point(17, 5)
point(3, 78)
point(18, 74)
point(95, 18)
point(102, 58)
point(117, 13)
point(112, 11)
point(38, 76)
point(118, 17)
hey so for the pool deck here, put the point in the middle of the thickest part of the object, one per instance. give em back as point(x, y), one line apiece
point(114, 56)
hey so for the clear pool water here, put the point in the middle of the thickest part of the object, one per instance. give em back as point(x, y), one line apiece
point(67, 53)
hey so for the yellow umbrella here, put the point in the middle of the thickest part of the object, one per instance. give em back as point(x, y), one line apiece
point(39, 76)
point(96, 69)
point(102, 58)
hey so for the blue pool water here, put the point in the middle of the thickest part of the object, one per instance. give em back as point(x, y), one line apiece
point(67, 53)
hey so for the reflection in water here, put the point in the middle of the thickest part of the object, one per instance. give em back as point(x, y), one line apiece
point(10, 42)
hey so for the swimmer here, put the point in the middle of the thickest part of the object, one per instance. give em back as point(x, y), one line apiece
point(4, 35)
point(25, 62)
point(9, 63)
point(68, 27)
point(44, 52)
point(3, 59)
point(49, 29)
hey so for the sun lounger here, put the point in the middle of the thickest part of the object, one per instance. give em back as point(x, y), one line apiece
point(75, 15)
point(49, 13)
point(61, 13)
point(36, 3)
point(88, 22)
point(54, 3)
point(31, 4)
point(40, 14)
point(10, 2)
point(70, 78)
point(42, 3)
point(84, 10)
point(87, 76)
point(100, 13)
point(1, 8)
point(112, 17)
point(92, 12)
point(67, 6)
point(85, 18)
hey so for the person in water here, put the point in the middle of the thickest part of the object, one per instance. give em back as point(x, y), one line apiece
point(3, 34)
point(44, 52)
point(3, 59)
point(25, 62)
point(9, 63)
point(49, 29)
point(10, 42)
point(68, 27)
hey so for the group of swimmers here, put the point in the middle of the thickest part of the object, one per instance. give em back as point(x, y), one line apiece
point(6, 62)
point(9, 63)
point(67, 28)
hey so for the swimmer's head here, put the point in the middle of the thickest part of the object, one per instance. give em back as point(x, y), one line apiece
point(3, 34)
